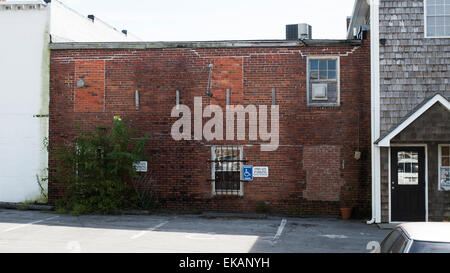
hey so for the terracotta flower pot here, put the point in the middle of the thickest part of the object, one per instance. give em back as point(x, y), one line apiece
point(346, 213)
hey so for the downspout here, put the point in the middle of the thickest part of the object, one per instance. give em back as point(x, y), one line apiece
point(375, 109)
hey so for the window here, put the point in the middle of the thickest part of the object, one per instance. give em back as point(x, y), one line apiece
point(399, 245)
point(429, 247)
point(408, 168)
point(226, 170)
point(444, 167)
point(323, 81)
point(389, 241)
point(437, 18)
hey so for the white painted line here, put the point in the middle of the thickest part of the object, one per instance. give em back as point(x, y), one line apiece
point(334, 236)
point(28, 224)
point(280, 230)
point(140, 234)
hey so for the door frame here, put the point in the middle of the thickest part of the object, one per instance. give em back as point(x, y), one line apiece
point(426, 178)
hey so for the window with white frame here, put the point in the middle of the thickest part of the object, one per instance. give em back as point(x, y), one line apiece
point(444, 167)
point(226, 170)
point(437, 18)
point(323, 81)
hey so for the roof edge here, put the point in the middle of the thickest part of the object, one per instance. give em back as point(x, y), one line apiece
point(203, 44)
point(359, 8)
point(385, 140)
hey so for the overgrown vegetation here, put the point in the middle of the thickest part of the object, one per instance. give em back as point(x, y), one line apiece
point(97, 169)
point(262, 207)
point(43, 185)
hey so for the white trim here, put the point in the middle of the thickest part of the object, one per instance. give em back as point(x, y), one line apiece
point(426, 178)
point(440, 164)
point(375, 109)
point(386, 141)
point(389, 184)
point(425, 23)
point(338, 81)
point(213, 169)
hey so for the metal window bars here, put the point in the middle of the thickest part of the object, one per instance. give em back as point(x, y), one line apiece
point(227, 162)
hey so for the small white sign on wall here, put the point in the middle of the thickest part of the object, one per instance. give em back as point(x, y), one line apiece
point(141, 166)
point(260, 171)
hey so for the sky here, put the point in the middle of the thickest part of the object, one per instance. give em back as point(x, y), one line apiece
point(202, 20)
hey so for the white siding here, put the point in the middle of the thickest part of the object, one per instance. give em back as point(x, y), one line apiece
point(23, 94)
point(24, 86)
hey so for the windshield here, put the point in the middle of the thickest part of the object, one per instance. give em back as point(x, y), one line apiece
point(429, 247)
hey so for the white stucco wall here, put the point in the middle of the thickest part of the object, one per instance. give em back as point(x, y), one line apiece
point(25, 29)
point(24, 57)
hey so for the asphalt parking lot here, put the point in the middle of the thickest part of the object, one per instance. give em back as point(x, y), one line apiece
point(33, 231)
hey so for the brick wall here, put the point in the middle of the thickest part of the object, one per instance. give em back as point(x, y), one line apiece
point(316, 154)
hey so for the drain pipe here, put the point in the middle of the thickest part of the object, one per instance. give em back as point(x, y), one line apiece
point(375, 107)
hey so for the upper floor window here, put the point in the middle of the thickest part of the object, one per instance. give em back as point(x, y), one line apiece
point(437, 18)
point(323, 81)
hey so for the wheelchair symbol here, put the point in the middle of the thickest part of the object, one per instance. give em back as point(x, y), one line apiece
point(247, 173)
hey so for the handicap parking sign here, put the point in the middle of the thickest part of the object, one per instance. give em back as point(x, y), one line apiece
point(247, 173)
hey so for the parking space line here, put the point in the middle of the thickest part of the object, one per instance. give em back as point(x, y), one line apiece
point(140, 234)
point(28, 224)
point(279, 231)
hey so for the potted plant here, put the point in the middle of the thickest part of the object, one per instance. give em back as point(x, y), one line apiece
point(346, 202)
point(446, 219)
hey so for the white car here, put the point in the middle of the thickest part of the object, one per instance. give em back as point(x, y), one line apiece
point(430, 237)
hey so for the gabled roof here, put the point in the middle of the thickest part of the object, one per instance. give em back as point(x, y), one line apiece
point(385, 140)
point(361, 9)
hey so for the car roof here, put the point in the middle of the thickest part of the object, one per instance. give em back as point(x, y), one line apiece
point(427, 231)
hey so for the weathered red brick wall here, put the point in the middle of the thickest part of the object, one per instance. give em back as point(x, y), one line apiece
point(303, 180)
point(91, 97)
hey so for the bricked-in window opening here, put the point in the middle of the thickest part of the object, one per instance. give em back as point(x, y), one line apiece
point(226, 166)
point(444, 167)
point(323, 81)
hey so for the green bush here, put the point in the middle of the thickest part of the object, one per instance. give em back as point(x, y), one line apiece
point(97, 169)
point(262, 207)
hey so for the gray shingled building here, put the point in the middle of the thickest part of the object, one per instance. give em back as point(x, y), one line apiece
point(410, 58)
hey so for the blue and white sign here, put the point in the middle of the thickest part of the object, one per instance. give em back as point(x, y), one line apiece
point(247, 173)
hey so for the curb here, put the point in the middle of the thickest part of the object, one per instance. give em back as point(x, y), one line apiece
point(212, 215)
point(9, 205)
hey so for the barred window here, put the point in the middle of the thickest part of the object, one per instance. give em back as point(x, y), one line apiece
point(323, 81)
point(437, 18)
point(227, 165)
